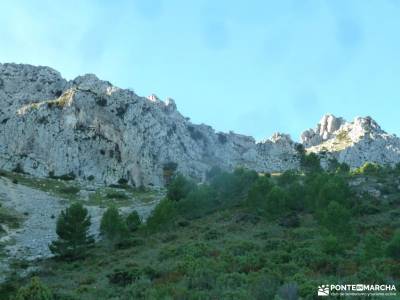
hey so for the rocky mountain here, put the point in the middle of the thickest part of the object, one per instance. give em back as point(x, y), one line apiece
point(89, 129)
point(354, 143)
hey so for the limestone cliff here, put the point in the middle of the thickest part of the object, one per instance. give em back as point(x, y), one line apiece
point(90, 129)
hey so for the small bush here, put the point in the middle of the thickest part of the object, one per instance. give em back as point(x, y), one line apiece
point(199, 202)
point(257, 194)
point(311, 163)
point(331, 245)
point(18, 169)
point(122, 181)
point(179, 188)
point(372, 247)
point(116, 195)
point(124, 277)
point(276, 201)
point(35, 290)
point(67, 177)
point(70, 190)
point(368, 169)
point(162, 216)
point(336, 219)
point(133, 221)
point(169, 170)
point(393, 248)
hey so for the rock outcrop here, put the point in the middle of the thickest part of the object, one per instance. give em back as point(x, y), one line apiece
point(354, 143)
point(324, 131)
point(90, 129)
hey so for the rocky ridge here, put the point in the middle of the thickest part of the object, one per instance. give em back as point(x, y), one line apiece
point(354, 143)
point(89, 129)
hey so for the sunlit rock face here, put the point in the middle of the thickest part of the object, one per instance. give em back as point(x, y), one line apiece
point(324, 131)
point(354, 143)
point(91, 129)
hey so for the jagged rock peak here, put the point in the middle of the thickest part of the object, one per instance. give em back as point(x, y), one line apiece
point(330, 127)
point(367, 124)
point(282, 138)
point(323, 131)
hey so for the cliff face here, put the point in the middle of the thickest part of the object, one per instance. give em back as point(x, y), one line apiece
point(96, 131)
point(93, 130)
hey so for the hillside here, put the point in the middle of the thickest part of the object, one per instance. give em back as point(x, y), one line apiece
point(244, 236)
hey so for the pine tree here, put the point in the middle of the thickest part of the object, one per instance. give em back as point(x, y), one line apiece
point(113, 226)
point(72, 229)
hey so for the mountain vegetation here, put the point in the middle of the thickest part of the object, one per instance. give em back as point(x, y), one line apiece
point(239, 235)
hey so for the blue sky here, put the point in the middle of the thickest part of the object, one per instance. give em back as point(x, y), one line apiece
point(254, 67)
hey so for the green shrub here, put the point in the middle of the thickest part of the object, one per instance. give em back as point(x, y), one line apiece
point(116, 195)
point(133, 221)
point(372, 247)
point(72, 229)
point(322, 188)
point(162, 216)
point(112, 226)
point(276, 201)
point(169, 170)
point(393, 248)
point(9, 218)
point(310, 163)
point(202, 278)
point(198, 203)
point(258, 192)
point(287, 178)
point(18, 169)
point(67, 177)
point(179, 188)
point(233, 188)
point(331, 246)
point(124, 277)
point(70, 190)
point(296, 194)
point(336, 219)
point(35, 290)
point(122, 181)
point(264, 287)
point(368, 169)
